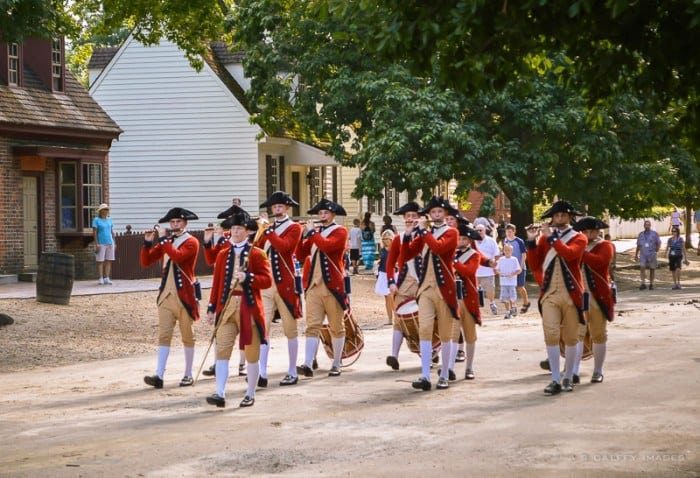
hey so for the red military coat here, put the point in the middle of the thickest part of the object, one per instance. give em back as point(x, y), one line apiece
point(596, 268)
point(467, 262)
point(569, 249)
point(183, 258)
point(326, 249)
point(395, 261)
point(258, 277)
point(441, 252)
point(211, 249)
point(283, 240)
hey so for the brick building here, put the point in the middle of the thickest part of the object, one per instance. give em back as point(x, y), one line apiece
point(54, 144)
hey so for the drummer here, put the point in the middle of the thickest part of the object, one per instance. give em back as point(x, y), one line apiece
point(437, 299)
point(405, 285)
point(596, 270)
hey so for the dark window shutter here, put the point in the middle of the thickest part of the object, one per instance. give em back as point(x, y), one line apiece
point(280, 173)
point(268, 175)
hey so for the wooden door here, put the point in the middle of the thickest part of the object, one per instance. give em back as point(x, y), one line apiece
point(30, 207)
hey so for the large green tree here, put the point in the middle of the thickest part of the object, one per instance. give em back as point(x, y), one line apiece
point(534, 139)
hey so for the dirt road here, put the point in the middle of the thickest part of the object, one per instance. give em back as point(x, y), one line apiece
point(93, 416)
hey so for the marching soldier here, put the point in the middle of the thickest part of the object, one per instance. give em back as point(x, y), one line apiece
point(437, 298)
point(555, 261)
point(279, 241)
point(241, 271)
point(596, 270)
point(322, 251)
point(178, 293)
point(467, 261)
point(212, 249)
point(405, 286)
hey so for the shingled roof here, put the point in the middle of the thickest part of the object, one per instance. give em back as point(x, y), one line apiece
point(33, 104)
point(224, 55)
point(101, 56)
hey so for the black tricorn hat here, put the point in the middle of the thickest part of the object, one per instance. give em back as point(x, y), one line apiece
point(231, 211)
point(589, 222)
point(279, 197)
point(328, 205)
point(410, 206)
point(463, 220)
point(561, 206)
point(439, 201)
point(239, 219)
point(179, 213)
point(469, 232)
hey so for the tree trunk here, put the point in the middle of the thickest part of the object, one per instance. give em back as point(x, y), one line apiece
point(521, 215)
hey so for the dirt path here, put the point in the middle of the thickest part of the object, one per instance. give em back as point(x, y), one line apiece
point(94, 417)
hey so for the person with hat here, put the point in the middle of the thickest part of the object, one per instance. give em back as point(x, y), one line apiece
point(211, 251)
point(466, 263)
point(404, 286)
point(178, 293)
point(555, 260)
point(241, 272)
point(596, 266)
point(323, 252)
point(437, 296)
point(103, 235)
point(279, 241)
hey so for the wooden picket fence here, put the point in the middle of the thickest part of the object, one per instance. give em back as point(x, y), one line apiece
point(127, 266)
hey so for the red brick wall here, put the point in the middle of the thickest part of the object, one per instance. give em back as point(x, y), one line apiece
point(11, 236)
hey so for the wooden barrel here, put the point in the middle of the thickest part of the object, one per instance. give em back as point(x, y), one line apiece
point(54, 280)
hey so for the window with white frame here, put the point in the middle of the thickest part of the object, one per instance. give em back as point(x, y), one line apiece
point(80, 192)
point(57, 65)
point(13, 64)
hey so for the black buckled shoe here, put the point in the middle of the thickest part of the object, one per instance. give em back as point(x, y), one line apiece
point(334, 372)
point(436, 357)
point(242, 371)
point(217, 400)
point(597, 377)
point(566, 385)
point(392, 362)
point(210, 372)
point(186, 381)
point(544, 365)
point(262, 382)
point(305, 370)
point(314, 364)
point(422, 384)
point(469, 374)
point(461, 357)
point(451, 375)
point(248, 401)
point(552, 389)
point(289, 380)
point(576, 379)
point(154, 381)
point(442, 384)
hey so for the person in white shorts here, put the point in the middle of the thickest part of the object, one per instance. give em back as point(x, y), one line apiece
point(103, 235)
point(508, 268)
point(485, 274)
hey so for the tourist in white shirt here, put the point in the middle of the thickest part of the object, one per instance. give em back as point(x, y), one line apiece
point(486, 274)
point(508, 268)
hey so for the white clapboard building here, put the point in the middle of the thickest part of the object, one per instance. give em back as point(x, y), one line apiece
point(188, 140)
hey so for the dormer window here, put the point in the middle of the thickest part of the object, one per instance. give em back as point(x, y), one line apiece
point(13, 64)
point(57, 64)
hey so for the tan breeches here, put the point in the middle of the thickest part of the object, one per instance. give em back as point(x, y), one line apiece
point(272, 302)
point(170, 311)
point(319, 304)
point(229, 328)
point(466, 323)
point(559, 319)
point(597, 324)
point(431, 307)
